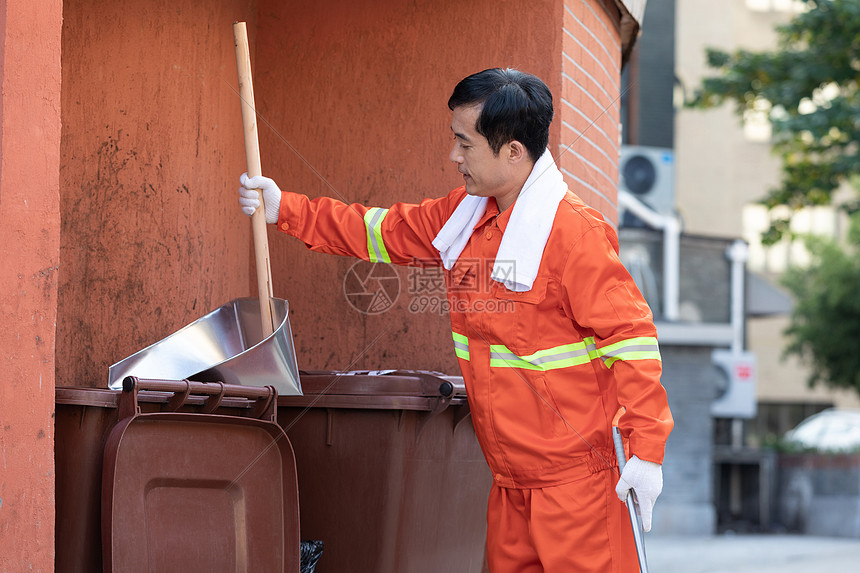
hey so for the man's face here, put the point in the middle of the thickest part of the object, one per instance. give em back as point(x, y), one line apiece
point(484, 173)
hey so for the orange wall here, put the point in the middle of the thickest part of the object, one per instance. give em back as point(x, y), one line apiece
point(360, 90)
point(29, 235)
point(152, 237)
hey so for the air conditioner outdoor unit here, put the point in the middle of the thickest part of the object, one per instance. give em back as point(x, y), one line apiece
point(649, 174)
point(739, 397)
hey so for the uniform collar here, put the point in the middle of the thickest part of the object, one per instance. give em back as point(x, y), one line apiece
point(492, 212)
point(504, 217)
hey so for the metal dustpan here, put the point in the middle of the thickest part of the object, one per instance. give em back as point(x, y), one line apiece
point(226, 345)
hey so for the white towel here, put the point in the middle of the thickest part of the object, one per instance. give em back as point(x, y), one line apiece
point(526, 234)
point(454, 235)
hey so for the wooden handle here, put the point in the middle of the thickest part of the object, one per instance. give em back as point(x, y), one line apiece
point(252, 158)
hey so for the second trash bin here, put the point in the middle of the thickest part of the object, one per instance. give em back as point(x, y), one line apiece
point(391, 477)
point(170, 475)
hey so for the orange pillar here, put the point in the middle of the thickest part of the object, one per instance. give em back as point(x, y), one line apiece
point(29, 239)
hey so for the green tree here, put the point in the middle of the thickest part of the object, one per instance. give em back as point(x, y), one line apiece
point(825, 324)
point(808, 86)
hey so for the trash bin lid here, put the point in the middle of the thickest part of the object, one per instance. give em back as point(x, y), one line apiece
point(199, 492)
point(388, 389)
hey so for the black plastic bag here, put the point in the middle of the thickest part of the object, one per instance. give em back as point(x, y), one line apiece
point(311, 551)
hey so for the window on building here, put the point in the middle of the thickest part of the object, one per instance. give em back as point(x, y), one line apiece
point(794, 6)
point(757, 126)
point(826, 221)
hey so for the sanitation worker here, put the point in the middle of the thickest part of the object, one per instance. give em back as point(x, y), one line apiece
point(552, 336)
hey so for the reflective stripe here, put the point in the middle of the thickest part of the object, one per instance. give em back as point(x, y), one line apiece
point(549, 359)
point(461, 346)
point(375, 247)
point(575, 354)
point(642, 348)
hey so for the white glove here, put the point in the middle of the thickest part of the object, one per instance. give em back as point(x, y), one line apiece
point(646, 479)
point(249, 198)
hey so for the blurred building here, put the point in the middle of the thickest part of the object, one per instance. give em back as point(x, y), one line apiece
point(708, 170)
point(723, 167)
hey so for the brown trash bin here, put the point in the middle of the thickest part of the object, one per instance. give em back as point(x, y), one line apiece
point(391, 477)
point(187, 476)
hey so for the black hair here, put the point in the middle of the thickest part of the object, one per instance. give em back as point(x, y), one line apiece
point(516, 106)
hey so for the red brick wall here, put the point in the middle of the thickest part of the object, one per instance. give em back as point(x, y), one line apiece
point(590, 106)
point(29, 241)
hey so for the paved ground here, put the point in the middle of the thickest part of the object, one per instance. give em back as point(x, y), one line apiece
point(752, 554)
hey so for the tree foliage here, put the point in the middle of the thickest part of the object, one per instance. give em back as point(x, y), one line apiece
point(808, 86)
point(825, 325)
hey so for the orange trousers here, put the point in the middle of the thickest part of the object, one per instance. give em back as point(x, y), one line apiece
point(578, 527)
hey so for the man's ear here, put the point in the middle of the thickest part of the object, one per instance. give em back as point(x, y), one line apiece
point(518, 151)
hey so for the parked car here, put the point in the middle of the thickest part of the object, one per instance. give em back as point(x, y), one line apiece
point(830, 430)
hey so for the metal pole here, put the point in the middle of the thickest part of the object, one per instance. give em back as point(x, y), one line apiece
point(671, 228)
point(632, 506)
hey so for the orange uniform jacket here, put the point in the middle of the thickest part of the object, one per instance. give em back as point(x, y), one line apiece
point(545, 370)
